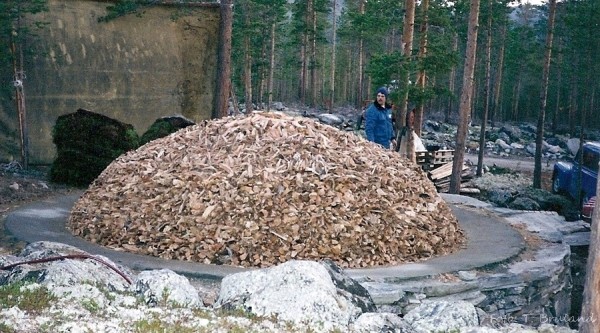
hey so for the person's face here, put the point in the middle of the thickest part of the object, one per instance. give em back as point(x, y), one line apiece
point(380, 99)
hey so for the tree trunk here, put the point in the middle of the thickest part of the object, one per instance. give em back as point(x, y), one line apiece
point(361, 56)
point(234, 101)
point(333, 51)
point(263, 70)
point(408, 31)
point(486, 94)
point(499, 76)
point(578, 198)
point(346, 78)
point(474, 98)
point(271, 68)
point(573, 106)
point(303, 69)
point(224, 64)
point(247, 75)
point(452, 80)
point(422, 78)
point(557, 107)
point(590, 311)
point(517, 94)
point(537, 170)
point(313, 52)
point(465, 97)
point(19, 85)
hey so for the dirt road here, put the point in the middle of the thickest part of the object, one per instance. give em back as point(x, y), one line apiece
point(514, 163)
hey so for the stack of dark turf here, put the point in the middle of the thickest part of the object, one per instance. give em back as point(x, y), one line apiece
point(163, 127)
point(86, 142)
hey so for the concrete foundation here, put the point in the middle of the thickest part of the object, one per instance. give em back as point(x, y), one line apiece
point(133, 68)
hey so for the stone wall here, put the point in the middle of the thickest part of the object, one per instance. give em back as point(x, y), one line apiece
point(532, 292)
point(134, 69)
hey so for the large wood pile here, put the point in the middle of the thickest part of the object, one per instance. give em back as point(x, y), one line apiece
point(262, 189)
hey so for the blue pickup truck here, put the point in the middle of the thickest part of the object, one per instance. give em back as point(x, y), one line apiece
point(566, 175)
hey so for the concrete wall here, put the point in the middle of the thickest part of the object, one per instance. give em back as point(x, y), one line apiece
point(134, 69)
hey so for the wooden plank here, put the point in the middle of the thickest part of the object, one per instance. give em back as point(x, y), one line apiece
point(441, 172)
point(444, 171)
point(433, 159)
point(444, 152)
point(421, 157)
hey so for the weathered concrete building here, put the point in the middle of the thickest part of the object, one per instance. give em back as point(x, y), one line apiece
point(132, 68)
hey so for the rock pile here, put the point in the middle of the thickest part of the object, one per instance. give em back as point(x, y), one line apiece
point(262, 189)
point(40, 294)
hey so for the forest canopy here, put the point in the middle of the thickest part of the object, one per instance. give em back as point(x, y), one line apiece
point(326, 53)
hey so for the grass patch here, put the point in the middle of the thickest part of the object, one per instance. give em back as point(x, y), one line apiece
point(496, 170)
point(27, 298)
point(6, 329)
point(91, 306)
point(155, 325)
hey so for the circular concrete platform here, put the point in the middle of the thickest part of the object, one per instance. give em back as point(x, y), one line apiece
point(490, 241)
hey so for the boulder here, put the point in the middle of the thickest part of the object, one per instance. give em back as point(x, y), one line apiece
point(504, 137)
point(349, 287)
point(573, 146)
point(380, 322)
point(278, 106)
point(479, 330)
point(431, 126)
point(528, 128)
point(301, 292)
point(165, 286)
point(514, 133)
point(61, 273)
point(530, 148)
point(330, 119)
point(442, 316)
point(555, 149)
point(502, 144)
point(500, 197)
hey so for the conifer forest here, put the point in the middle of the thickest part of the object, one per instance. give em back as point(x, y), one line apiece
point(418, 49)
point(531, 61)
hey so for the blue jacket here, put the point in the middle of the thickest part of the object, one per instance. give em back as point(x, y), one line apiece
point(378, 124)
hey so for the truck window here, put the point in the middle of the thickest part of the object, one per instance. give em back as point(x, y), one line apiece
point(591, 159)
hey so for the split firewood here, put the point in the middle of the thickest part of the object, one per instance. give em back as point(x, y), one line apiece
point(262, 189)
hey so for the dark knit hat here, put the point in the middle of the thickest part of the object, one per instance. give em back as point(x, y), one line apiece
point(383, 91)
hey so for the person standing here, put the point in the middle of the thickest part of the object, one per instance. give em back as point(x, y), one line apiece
point(378, 120)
